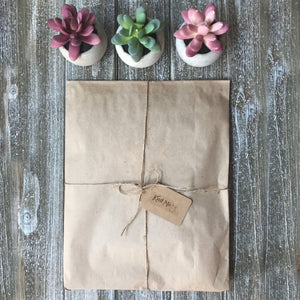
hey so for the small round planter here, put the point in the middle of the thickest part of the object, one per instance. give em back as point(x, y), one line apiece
point(198, 60)
point(91, 56)
point(147, 60)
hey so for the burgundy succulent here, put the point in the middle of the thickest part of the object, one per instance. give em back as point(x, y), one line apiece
point(75, 27)
point(201, 29)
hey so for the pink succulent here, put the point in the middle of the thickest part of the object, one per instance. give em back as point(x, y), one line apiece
point(74, 28)
point(199, 27)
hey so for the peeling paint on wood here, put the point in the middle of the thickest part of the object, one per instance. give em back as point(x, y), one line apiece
point(261, 59)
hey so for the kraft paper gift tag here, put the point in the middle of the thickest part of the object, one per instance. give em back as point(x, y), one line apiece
point(118, 137)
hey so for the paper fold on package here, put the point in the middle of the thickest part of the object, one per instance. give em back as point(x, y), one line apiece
point(118, 132)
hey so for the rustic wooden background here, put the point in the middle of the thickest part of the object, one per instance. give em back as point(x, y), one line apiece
point(261, 60)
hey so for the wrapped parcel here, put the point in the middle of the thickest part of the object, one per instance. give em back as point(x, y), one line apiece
point(123, 132)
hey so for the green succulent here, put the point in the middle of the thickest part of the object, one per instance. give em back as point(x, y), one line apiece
point(137, 34)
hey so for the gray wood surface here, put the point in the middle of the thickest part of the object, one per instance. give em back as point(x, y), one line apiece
point(261, 60)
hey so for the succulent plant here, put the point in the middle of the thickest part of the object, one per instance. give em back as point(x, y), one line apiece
point(75, 29)
point(137, 34)
point(201, 29)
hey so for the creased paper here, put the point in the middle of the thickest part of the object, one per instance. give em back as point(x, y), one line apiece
point(187, 139)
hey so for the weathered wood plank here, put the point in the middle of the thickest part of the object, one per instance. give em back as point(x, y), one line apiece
point(159, 71)
point(261, 60)
point(8, 88)
point(282, 116)
point(32, 153)
point(247, 102)
point(180, 70)
point(103, 70)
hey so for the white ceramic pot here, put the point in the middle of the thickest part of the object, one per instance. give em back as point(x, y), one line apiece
point(147, 60)
point(91, 56)
point(198, 60)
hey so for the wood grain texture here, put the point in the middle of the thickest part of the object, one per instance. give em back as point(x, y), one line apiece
point(32, 156)
point(261, 59)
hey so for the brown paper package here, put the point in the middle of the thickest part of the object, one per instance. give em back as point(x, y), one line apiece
point(119, 132)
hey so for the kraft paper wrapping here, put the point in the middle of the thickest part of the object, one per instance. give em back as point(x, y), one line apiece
point(112, 128)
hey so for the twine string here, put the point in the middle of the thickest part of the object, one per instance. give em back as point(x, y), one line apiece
point(137, 189)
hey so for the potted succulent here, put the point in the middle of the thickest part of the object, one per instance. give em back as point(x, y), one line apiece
point(198, 39)
point(139, 42)
point(81, 40)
